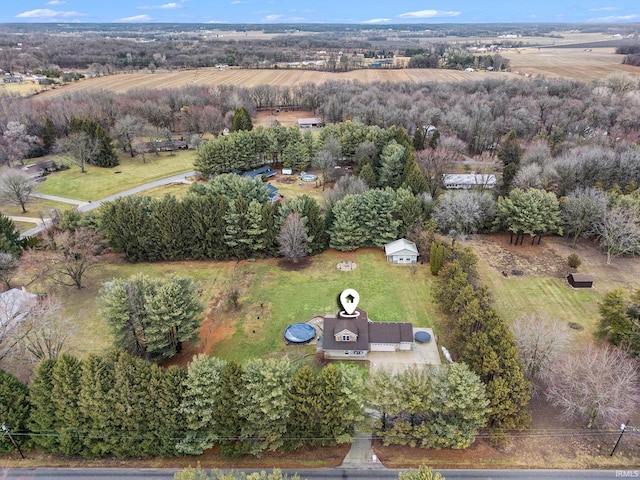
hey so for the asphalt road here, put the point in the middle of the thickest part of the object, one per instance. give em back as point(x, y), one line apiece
point(319, 474)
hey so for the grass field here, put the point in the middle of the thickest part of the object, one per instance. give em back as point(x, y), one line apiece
point(35, 207)
point(97, 183)
point(280, 297)
point(277, 295)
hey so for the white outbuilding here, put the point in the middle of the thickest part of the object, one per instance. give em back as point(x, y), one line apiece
point(401, 251)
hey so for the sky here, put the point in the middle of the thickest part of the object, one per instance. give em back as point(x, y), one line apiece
point(324, 11)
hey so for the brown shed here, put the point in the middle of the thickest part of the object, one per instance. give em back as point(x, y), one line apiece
point(580, 280)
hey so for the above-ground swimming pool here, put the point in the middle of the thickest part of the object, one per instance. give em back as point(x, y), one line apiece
point(299, 333)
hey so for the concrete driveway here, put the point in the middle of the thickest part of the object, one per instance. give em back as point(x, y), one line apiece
point(420, 354)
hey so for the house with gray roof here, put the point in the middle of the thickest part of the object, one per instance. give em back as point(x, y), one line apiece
point(354, 336)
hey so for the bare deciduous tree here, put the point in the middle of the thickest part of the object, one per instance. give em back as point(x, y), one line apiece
point(542, 341)
point(77, 252)
point(46, 330)
point(582, 210)
point(460, 213)
point(345, 185)
point(293, 239)
point(599, 386)
point(16, 187)
point(14, 307)
point(8, 265)
point(619, 232)
point(79, 147)
point(16, 143)
point(126, 129)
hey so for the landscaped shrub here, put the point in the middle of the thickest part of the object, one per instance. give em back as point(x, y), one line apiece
point(436, 257)
point(574, 261)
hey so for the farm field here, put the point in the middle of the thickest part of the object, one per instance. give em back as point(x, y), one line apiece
point(250, 78)
point(585, 64)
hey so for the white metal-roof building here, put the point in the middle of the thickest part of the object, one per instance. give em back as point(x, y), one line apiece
point(401, 251)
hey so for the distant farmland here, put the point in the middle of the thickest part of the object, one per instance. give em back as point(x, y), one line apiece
point(585, 64)
point(251, 78)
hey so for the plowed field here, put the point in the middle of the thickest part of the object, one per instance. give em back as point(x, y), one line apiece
point(251, 78)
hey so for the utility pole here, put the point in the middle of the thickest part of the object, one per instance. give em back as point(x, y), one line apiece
point(623, 428)
point(15, 444)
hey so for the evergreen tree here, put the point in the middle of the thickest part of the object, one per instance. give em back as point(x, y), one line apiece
point(9, 236)
point(173, 316)
point(368, 174)
point(206, 213)
point(265, 404)
point(132, 408)
point(96, 405)
point(14, 410)
point(509, 154)
point(105, 155)
point(165, 422)
point(418, 139)
point(269, 223)
point(304, 419)
point(413, 178)
point(256, 241)
point(70, 426)
point(241, 120)
point(201, 404)
point(229, 421)
point(126, 223)
point(236, 236)
point(151, 318)
point(43, 416)
point(392, 162)
point(345, 231)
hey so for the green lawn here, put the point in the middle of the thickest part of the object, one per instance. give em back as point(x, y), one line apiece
point(92, 333)
point(176, 190)
point(387, 293)
point(35, 207)
point(514, 296)
point(98, 182)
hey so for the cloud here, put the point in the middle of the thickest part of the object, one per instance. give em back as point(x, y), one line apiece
point(134, 19)
point(46, 13)
point(56, 2)
point(604, 9)
point(165, 6)
point(377, 20)
point(272, 18)
point(616, 18)
point(236, 2)
point(429, 14)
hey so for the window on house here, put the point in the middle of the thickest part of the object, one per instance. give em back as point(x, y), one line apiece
point(346, 338)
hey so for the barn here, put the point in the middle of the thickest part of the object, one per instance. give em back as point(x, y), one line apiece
point(580, 280)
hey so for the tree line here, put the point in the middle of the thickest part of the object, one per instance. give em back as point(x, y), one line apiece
point(116, 404)
point(479, 337)
point(479, 114)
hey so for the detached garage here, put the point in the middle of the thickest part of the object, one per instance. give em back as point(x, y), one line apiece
point(580, 280)
point(401, 251)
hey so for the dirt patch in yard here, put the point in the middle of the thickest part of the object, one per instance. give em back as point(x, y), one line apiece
point(549, 259)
